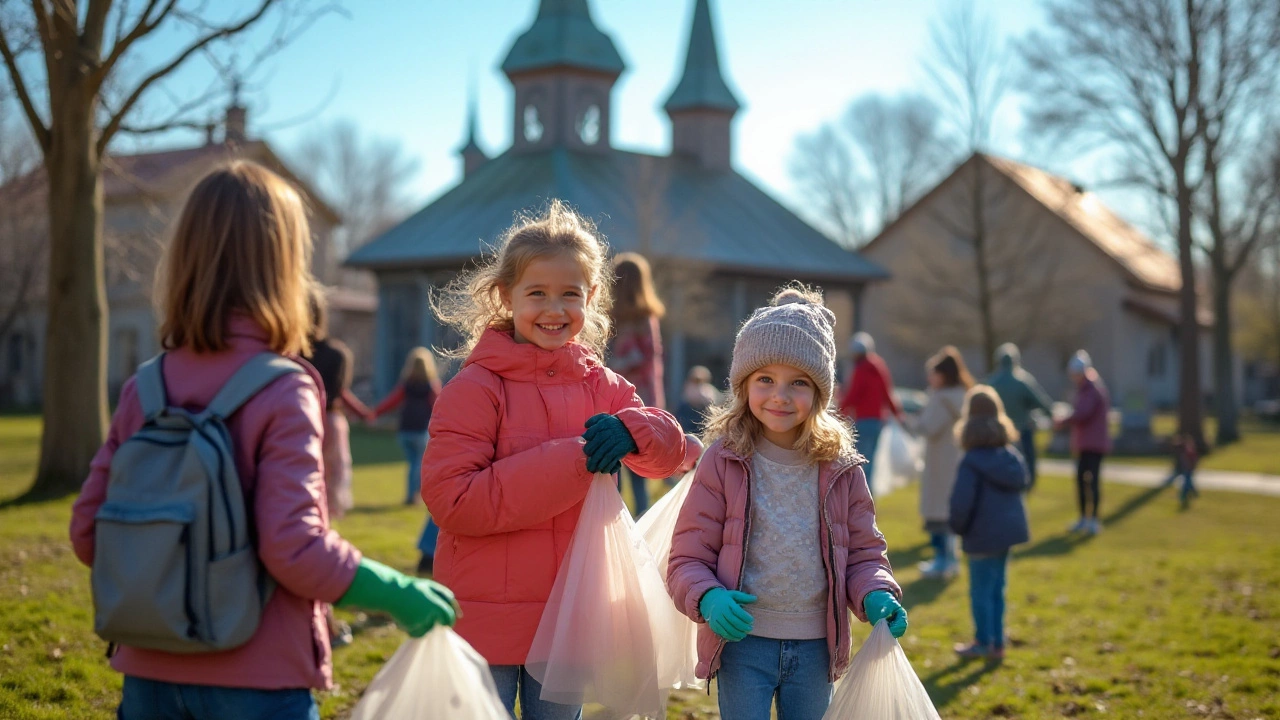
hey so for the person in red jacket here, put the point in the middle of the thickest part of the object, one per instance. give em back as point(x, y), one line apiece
point(869, 396)
point(518, 433)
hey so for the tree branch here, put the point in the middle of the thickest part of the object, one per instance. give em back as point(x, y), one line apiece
point(38, 128)
point(140, 29)
point(223, 32)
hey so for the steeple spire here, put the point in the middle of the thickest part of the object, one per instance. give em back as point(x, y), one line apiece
point(702, 106)
point(473, 156)
point(702, 86)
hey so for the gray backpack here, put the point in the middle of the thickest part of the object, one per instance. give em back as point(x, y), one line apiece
point(175, 567)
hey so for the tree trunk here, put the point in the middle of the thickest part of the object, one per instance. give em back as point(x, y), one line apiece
point(75, 397)
point(1224, 379)
point(1189, 420)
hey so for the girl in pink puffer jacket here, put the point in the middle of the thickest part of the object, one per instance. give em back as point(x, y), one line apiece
point(777, 540)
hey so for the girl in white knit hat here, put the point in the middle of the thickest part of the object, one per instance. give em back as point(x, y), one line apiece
point(777, 541)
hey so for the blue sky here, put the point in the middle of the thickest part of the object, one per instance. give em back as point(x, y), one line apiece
point(400, 69)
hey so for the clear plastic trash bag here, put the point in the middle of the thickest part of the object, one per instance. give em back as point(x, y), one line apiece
point(881, 684)
point(899, 459)
point(606, 623)
point(678, 645)
point(438, 675)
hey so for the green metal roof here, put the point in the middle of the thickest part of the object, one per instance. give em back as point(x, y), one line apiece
point(718, 218)
point(563, 35)
point(702, 85)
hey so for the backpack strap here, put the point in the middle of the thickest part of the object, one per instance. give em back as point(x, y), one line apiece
point(261, 370)
point(149, 382)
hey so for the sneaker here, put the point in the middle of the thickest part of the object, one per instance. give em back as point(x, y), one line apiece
point(929, 569)
point(340, 635)
point(1082, 525)
point(973, 651)
point(426, 564)
point(996, 653)
point(1094, 527)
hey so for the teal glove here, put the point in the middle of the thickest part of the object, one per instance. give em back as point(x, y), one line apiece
point(882, 605)
point(608, 441)
point(723, 611)
point(416, 605)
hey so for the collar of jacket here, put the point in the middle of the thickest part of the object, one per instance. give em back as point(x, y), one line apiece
point(499, 353)
point(829, 471)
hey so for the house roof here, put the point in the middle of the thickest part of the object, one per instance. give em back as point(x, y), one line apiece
point(1146, 264)
point(563, 35)
point(702, 84)
point(703, 216)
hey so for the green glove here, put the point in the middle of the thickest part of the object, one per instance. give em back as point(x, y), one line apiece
point(882, 605)
point(608, 441)
point(723, 610)
point(416, 605)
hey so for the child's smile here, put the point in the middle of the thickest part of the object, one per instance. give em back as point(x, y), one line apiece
point(548, 302)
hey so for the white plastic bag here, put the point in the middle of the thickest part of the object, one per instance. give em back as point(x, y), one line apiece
point(438, 675)
point(899, 459)
point(881, 684)
point(598, 640)
point(678, 637)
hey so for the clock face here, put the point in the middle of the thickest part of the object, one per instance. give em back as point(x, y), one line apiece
point(589, 125)
point(532, 123)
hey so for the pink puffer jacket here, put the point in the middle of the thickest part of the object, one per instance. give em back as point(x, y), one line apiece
point(709, 547)
point(505, 476)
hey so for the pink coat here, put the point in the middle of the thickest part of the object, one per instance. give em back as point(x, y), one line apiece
point(505, 476)
point(1090, 430)
point(277, 440)
point(709, 547)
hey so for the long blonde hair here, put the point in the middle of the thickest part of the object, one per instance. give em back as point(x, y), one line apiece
point(634, 297)
point(242, 245)
point(472, 303)
point(824, 436)
point(420, 366)
point(984, 422)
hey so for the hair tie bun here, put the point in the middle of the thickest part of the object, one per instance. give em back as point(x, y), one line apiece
point(797, 296)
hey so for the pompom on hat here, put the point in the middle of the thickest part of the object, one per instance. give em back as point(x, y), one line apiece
point(796, 329)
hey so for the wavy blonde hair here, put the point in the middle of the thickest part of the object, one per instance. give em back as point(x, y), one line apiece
point(472, 303)
point(242, 245)
point(824, 436)
point(420, 365)
point(984, 423)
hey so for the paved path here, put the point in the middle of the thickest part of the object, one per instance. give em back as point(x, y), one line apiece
point(1150, 476)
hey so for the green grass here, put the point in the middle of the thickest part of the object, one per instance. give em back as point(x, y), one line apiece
point(1258, 450)
point(1167, 614)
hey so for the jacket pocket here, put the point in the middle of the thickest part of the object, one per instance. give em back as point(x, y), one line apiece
point(141, 576)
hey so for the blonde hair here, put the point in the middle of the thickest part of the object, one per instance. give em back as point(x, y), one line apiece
point(242, 245)
point(472, 302)
point(984, 423)
point(420, 365)
point(634, 297)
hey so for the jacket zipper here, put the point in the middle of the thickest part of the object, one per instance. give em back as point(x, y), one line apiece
point(831, 567)
point(742, 568)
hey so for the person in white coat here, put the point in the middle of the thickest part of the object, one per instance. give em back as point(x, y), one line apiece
point(949, 380)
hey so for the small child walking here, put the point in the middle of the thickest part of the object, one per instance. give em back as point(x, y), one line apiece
point(988, 513)
point(777, 540)
point(518, 433)
point(1186, 456)
point(234, 285)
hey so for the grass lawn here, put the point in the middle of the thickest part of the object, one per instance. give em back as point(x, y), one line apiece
point(1258, 450)
point(1165, 615)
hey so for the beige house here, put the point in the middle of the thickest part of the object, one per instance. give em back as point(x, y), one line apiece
point(1064, 273)
point(143, 195)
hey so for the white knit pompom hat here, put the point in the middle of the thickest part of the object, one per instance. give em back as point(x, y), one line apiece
point(796, 329)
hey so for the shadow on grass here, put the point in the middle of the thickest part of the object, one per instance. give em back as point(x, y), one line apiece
point(1065, 543)
point(372, 446)
point(943, 693)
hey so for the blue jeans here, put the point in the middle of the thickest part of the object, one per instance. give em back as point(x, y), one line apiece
point(755, 671)
point(157, 700)
point(986, 597)
point(1028, 442)
point(511, 679)
point(427, 540)
point(944, 549)
point(414, 445)
point(868, 436)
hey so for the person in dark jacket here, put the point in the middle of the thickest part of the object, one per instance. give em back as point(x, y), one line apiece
point(1090, 439)
point(1022, 396)
point(988, 513)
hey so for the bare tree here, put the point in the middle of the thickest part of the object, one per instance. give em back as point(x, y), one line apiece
point(1236, 103)
point(823, 166)
point(22, 250)
point(1127, 75)
point(365, 179)
point(900, 141)
point(1259, 280)
point(75, 68)
point(967, 69)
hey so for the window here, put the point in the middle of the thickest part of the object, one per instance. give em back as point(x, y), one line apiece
point(16, 341)
point(126, 342)
point(532, 124)
point(1157, 360)
point(589, 125)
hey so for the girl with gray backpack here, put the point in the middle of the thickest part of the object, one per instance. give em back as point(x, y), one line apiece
point(204, 515)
